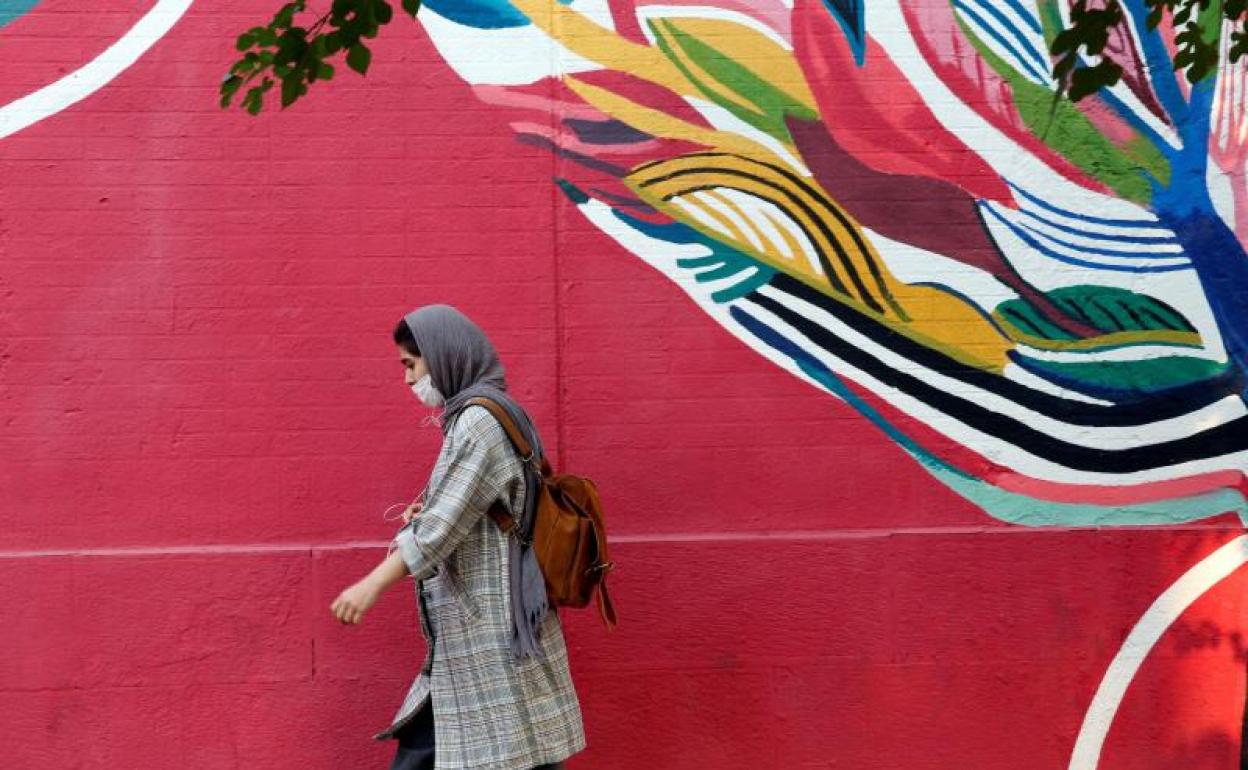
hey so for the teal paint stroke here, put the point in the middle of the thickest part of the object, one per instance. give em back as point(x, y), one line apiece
point(722, 263)
point(11, 10)
point(1002, 504)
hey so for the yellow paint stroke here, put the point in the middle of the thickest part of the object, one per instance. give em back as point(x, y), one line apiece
point(789, 240)
point(929, 315)
point(728, 203)
point(751, 49)
point(663, 125)
point(725, 224)
point(707, 82)
point(598, 44)
point(661, 181)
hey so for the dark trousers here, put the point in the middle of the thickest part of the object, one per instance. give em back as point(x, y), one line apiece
point(416, 744)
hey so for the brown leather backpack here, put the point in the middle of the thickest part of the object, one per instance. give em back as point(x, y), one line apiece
point(569, 538)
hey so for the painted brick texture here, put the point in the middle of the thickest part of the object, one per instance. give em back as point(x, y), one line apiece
point(204, 421)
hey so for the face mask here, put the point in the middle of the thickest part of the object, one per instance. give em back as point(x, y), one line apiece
point(427, 393)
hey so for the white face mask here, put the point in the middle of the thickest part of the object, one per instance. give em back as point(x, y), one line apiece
point(427, 393)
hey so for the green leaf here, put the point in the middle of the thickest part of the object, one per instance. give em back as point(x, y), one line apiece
point(231, 84)
point(296, 55)
point(292, 88)
point(384, 12)
point(254, 100)
point(1089, 31)
point(1239, 46)
point(229, 87)
point(348, 36)
point(245, 65)
point(359, 57)
point(286, 16)
point(292, 44)
point(1106, 308)
point(1089, 80)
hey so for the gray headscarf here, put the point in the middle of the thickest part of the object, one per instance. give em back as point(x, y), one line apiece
point(464, 365)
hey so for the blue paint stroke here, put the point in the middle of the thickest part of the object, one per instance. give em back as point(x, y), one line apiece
point(851, 15)
point(481, 14)
point(1026, 237)
point(1027, 56)
point(11, 10)
point(1049, 206)
point(1158, 64)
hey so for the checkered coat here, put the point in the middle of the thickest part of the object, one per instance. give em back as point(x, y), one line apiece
point(490, 713)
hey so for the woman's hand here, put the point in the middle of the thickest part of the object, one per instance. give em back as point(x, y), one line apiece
point(351, 604)
point(411, 511)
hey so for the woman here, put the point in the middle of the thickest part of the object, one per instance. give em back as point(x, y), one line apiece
point(495, 688)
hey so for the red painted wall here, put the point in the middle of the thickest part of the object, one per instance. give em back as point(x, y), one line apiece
point(203, 421)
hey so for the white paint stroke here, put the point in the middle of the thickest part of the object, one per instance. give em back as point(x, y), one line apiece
point(95, 74)
point(1172, 603)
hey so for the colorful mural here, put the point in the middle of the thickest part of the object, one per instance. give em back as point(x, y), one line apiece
point(1042, 301)
point(71, 78)
point(1039, 299)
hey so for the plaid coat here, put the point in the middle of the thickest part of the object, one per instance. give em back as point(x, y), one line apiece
point(490, 713)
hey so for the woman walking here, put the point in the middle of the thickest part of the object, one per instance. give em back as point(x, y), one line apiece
point(494, 692)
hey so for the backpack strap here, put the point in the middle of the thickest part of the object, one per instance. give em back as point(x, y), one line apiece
point(498, 511)
point(605, 607)
point(509, 425)
point(505, 521)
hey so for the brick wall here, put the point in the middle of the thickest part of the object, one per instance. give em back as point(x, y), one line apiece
point(204, 420)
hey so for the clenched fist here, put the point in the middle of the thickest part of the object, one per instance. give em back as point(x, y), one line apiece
point(411, 511)
point(351, 604)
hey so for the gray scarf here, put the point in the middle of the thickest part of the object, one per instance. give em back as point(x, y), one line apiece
point(464, 365)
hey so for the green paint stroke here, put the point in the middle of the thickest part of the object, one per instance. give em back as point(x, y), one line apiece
point(574, 193)
point(1027, 511)
point(1209, 21)
point(1108, 308)
point(1138, 148)
point(1145, 153)
point(723, 263)
point(1050, 21)
point(1066, 130)
point(1144, 375)
point(772, 103)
